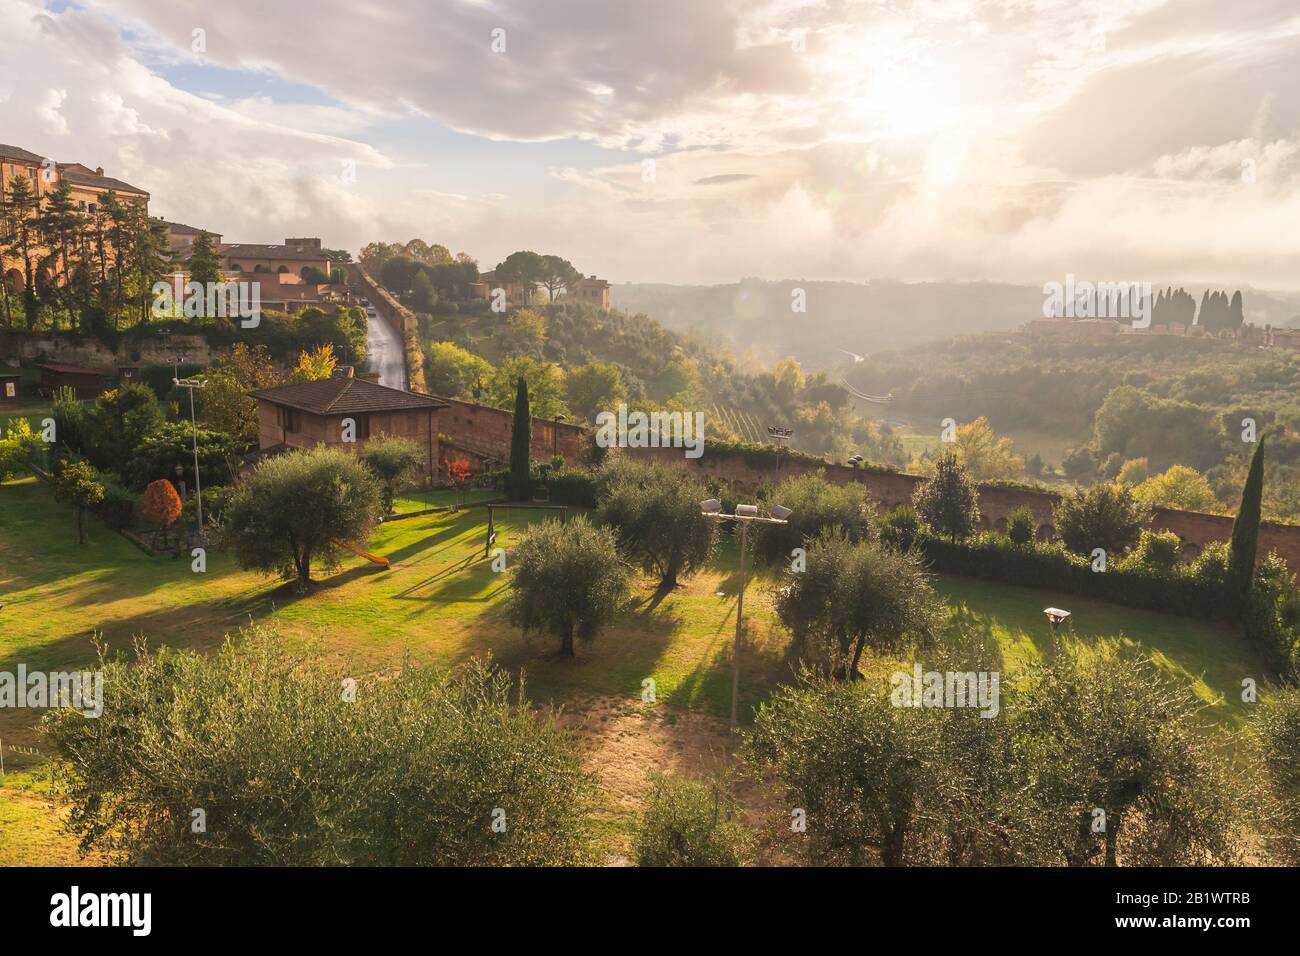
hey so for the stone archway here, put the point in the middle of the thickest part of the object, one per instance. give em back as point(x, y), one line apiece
point(1046, 532)
point(1189, 551)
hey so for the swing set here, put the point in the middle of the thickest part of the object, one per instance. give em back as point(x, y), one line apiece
point(491, 525)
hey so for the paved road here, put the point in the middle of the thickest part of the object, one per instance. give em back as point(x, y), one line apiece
point(384, 352)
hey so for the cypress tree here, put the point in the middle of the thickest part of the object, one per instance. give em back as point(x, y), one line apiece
point(520, 441)
point(1245, 532)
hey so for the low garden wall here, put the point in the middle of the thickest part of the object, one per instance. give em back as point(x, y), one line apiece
point(745, 471)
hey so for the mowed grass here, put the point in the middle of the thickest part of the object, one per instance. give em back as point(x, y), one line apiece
point(443, 603)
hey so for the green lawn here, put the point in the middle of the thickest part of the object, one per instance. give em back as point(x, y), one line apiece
point(442, 602)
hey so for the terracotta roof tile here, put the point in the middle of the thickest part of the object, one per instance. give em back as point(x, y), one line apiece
point(342, 396)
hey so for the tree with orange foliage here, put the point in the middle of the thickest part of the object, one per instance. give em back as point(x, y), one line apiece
point(459, 472)
point(162, 505)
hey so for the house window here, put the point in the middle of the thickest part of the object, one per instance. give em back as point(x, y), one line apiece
point(363, 427)
point(289, 419)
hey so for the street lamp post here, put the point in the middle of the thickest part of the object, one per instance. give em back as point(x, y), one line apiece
point(555, 435)
point(191, 384)
point(745, 515)
point(780, 437)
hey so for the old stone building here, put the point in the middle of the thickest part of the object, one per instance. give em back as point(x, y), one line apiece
point(295, 256)
point(87, 186)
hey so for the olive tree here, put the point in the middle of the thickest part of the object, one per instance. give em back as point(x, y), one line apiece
point(293, 508)
point(1276, 730)
point(655, 510)
point(394, 460)
point(1122, 771)
point(293, 763)
point(567, 580)
point(816, 505)
point(860, 768)
point(690, 823)
point(853, 596)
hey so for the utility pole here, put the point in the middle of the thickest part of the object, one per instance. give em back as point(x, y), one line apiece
point(745, 514)
point(190, 384)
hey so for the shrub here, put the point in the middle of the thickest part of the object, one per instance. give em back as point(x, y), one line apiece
point(1105, 516)
point(1272, 615)
point(900, 527)
point(17, 445)
point(1050, 566)
point(688, 823)
point(117, 510)
point(572, 486)
point(1211, 566)
point(416, 766)
point(157, 454)
point(947, 501)
point(394, 461)
point(1276, 729)
point(1020, 526)
point(1159, 551)
point(77, 484)
point(162, 505)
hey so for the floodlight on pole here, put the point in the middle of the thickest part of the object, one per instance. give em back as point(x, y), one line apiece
point(191, 384)
point(780, 437)
point(745, 515)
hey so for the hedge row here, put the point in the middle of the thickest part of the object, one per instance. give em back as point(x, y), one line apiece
point(1051, 567)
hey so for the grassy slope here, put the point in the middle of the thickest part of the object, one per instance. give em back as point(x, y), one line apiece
point(443, 602)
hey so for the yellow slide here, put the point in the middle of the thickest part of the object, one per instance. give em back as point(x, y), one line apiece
point(365, 554)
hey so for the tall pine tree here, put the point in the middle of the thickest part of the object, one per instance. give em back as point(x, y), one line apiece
point(520, 441)
point(1245, 532)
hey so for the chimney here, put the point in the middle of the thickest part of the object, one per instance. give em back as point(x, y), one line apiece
point(344, 371)
point(99, 170)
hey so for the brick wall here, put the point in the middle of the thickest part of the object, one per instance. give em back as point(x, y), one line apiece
point(1195, 529)
point(485, 432)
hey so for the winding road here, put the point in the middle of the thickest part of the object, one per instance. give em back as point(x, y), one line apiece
point(384, 352)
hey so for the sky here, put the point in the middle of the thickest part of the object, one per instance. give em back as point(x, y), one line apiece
point(688, 141)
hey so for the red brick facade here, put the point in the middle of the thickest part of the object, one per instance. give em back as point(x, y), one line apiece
point(484, 433)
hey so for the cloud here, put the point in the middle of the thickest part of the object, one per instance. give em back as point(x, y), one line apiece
point(687, 141)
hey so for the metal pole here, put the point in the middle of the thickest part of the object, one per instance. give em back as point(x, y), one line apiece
point(198, 489)
point(740, 613)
